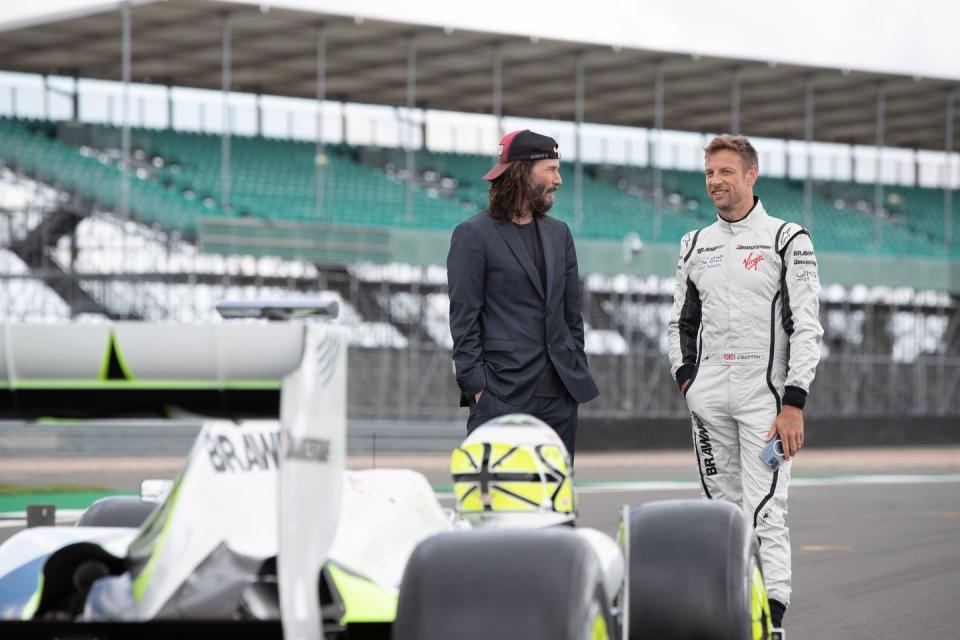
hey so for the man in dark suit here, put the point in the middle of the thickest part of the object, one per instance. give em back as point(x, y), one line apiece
point(515, 297)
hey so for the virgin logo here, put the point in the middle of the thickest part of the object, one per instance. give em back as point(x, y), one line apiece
point(752, 261)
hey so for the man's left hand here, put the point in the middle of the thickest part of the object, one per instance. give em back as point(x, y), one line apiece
point(789, 424)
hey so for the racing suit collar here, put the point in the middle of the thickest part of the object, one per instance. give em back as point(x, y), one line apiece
point(755, 216)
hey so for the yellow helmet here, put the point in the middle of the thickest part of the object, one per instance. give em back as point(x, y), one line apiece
point(513, 472)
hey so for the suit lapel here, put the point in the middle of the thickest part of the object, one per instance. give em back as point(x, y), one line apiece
point(549, 253)
point(512, 237)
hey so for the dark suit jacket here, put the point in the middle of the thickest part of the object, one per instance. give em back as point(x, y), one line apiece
point(504, 325)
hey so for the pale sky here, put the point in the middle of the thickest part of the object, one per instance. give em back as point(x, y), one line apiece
point(914, 37)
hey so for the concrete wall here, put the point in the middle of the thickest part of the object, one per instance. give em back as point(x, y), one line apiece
point(608, 257)
point(374, 437)
point(862, 431)
point(321, 243)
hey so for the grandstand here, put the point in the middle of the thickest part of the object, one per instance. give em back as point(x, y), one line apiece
point(178, 182)
point(157, 223)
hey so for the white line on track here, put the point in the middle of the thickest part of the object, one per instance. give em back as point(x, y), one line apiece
point(68, 516)
point(689, 485)
point(13, 519)
point(828, 481)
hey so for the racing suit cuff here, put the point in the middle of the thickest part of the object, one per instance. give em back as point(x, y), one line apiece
point(684, 373)
point(795, 397)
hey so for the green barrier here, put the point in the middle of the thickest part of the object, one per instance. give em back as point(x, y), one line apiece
point(62, 500)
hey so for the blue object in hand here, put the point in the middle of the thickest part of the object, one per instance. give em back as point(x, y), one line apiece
point(772, 454)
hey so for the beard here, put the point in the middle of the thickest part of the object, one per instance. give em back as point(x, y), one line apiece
point(539, 198)
point(732, 204)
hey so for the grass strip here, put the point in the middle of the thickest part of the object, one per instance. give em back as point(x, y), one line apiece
point(20, 489)
point(63, 496)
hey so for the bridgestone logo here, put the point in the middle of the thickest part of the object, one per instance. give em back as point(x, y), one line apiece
point(310, 449)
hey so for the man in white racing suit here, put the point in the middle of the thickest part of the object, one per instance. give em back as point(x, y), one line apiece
point(744, 338)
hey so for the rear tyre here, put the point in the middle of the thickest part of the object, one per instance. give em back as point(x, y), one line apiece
point(117, 511)
point(694, 573)
point(542, 584)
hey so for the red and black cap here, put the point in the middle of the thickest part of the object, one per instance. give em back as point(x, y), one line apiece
point(522, 145)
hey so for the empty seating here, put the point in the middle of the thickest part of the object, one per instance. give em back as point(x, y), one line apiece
point(176, 179)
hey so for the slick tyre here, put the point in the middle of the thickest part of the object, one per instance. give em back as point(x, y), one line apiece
point(543, 584)
point(694, 572)
point(117, 511)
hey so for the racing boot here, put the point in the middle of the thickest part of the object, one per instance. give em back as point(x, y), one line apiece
point(777, 609)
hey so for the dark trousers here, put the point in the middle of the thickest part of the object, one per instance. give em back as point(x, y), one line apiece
point(560, 413)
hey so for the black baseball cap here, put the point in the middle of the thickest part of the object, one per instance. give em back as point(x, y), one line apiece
point(522, 145)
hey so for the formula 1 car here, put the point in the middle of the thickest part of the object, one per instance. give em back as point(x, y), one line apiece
point(264, 524)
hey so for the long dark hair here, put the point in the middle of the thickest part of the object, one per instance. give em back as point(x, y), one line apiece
point(510, 193)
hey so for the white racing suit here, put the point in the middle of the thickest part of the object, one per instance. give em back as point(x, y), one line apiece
point(745, 330)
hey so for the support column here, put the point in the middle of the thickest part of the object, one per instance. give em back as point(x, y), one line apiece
point(916, 168)
point(413, 361)
point(226, 37)
point(735, 101)
point(259, 105)
point(46, 97)
point(948, 184)
point(808, 96)
point(170, 108)
point(658, 91)
point(125, 131)
point(578, 108)
point(498, 89)
point(320, 156)
point(75, 99)
point(408, 138)
point(880, 129)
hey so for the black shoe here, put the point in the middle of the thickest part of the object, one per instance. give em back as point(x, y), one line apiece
point(777, 609)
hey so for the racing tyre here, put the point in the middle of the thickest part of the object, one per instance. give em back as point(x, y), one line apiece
point(694, 572)
point(117, 511)
point(541, 584)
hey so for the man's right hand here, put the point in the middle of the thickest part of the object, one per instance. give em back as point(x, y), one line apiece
point(476, 398)
point(683, 387)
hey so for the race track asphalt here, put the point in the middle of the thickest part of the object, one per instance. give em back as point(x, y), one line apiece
point(875, 532)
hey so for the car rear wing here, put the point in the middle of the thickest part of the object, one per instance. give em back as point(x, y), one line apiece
point(125, 369)
point(296, 370)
